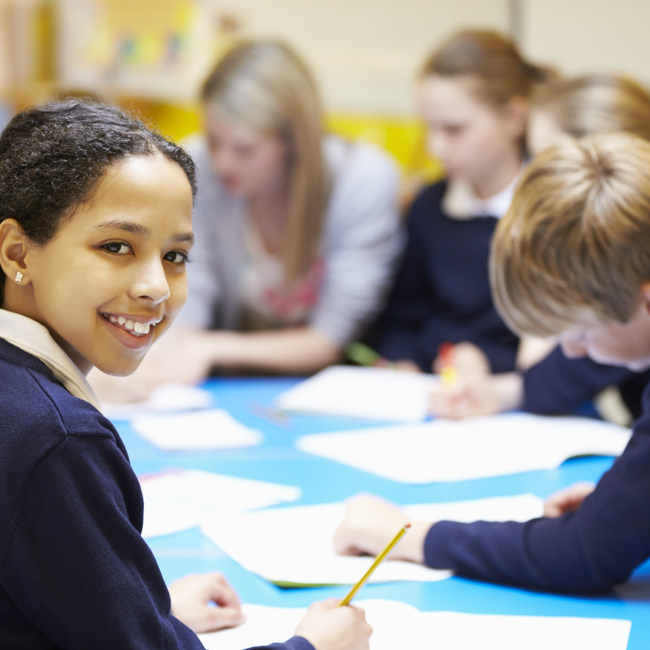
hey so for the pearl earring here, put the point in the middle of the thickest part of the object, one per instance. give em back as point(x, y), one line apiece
point(19, 277)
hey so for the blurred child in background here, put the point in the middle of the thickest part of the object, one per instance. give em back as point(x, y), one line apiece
point(473, 95)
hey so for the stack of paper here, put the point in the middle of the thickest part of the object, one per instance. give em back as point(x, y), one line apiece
point(180, 499)
point(164, 399)
point(297, 547)
point(445, 450)
point(397, 625)
point(211, 429)
point(373, 393)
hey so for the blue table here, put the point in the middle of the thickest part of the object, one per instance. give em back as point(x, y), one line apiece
point(324, 481)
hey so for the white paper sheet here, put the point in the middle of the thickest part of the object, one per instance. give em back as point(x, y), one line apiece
point(180, 499)
point(210, 429)
point(164, 399)
point(373, 393)
point(398, 626)
point(297, 547)
point(444, 450)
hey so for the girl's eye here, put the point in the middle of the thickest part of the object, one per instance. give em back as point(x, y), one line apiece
point(117, 247)
point(176, 257)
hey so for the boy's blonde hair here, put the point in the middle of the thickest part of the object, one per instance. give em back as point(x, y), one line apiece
point(268, 88)
point(597, 103)
point(575, 243)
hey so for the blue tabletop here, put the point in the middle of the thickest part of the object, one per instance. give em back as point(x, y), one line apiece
point(324, 481)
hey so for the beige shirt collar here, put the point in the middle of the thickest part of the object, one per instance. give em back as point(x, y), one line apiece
point(34, 338)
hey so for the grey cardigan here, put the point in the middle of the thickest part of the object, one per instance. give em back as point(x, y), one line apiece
point(361, 241)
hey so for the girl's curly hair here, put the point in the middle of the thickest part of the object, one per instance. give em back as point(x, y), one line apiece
point(53, 157)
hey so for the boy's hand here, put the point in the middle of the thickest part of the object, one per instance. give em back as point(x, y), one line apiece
point(370, 523)
point(567, 500)
point(330, 627)
point(191, 603)
point(475, 391)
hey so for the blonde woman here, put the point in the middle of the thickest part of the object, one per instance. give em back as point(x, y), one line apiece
point(296, 231)
point(575, 107)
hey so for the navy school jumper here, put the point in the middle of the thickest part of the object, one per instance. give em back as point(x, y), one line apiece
point(75, 572)
point(442, 290)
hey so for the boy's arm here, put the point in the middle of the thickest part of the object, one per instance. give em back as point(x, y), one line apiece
point(558, 384)
point(597, 544)
point(589, 550)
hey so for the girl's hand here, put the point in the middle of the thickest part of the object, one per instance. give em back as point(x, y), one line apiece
point(370, 523)
point(567, 500)
point(191, 597)
point(475, 391)
point(330, 627)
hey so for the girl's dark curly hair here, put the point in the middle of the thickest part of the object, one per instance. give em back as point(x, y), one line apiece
point(53, 157)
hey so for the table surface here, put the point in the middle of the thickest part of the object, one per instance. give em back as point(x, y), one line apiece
point(325, 481)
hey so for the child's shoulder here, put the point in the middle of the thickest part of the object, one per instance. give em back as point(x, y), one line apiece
point(35, 407)
point(426, 206)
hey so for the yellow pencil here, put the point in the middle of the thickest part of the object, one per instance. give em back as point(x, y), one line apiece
point(378, 560)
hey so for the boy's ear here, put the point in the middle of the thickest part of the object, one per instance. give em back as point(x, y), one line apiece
point(13, 250)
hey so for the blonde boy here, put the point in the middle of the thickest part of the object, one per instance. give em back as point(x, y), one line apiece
point(570, 259)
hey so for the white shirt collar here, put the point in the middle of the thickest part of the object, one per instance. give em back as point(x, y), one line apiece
point(460, 202)
point(33, 338)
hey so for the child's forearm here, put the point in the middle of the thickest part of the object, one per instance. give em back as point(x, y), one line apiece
point(296, 350)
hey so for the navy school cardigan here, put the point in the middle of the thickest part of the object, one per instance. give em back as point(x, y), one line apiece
point(442, 290)
point(75, 572)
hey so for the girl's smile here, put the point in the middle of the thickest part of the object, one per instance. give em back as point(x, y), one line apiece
point(112, 279)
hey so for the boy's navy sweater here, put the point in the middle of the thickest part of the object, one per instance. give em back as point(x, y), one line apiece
point(587, 551)
point(558, 384)
point(442, 289)
point(74, 571)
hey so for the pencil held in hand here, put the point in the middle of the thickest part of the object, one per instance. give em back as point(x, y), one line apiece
point(448, 372)
point(378, 560)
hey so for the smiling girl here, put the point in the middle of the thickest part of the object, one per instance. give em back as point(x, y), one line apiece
point(95, 232)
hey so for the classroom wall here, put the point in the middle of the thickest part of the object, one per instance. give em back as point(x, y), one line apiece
point(580, 36)
point(367, 52)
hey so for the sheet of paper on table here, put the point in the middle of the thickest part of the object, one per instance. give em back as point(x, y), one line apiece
point(210, 429)
point(297, 548)
point(164, 399)
point(355, 391)
point(445, 450)
point(398, 625)
point(179, 499)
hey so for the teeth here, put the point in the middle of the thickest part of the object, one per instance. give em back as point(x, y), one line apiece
point(133, 326)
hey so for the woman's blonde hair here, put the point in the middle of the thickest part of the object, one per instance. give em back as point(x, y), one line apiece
point(575, 243)
point(597, 103)
point(266, 86)
point(492, 60)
